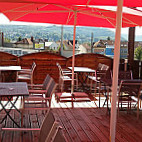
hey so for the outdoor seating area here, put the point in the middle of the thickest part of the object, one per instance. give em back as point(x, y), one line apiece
point(46, 109)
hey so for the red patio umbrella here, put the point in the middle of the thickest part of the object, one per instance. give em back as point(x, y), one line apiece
point(128, 3)
point(58, 12)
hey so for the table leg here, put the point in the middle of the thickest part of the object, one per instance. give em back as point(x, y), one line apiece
point(9, 110)
point(22, 113)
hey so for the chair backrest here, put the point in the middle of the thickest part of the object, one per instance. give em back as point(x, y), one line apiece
point(33, 67)
point(51, 89)
point(105, 67)
point(102, 72)
point(46, 81)
point(60, 70)
point(124, 75)
point(59, 137)
point(130, 87)
point(46, 126)
point(100, 65)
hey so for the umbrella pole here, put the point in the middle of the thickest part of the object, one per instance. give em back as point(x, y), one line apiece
point(115, 70)
point(73, 56)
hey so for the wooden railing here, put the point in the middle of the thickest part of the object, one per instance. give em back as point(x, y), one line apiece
point(46, 63)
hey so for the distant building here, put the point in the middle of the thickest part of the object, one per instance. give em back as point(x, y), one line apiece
point(87, 47)
point(17, 51)
point(99, 47)
point(24, 43)
point(68, 48)
point(51, 46)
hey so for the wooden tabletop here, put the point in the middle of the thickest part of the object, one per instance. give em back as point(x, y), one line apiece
point(14, 89)
point(82, 69)
point(10, 68)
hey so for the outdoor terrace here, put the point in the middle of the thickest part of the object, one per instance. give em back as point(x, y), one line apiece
point(84, 122)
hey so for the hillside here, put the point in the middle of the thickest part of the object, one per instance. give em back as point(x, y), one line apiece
point(53, 33)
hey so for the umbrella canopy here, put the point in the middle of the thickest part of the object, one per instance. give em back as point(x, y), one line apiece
point(61, 14)
point(128, 3)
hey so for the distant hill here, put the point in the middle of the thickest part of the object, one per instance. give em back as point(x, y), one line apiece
point(137, 37)
point(53, 33)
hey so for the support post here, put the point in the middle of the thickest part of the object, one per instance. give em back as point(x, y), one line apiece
point(61, 51)
point(73, 56)
point(115, 70)
point(92, 37)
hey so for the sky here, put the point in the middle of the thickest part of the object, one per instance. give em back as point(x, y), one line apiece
point(4, 20)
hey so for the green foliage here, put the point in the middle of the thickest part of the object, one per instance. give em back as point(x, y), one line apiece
point(138, 53)
point(19, 39)
point(108, 38)
point(7, 40)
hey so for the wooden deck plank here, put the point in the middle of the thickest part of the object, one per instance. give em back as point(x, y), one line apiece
point(34, 124)
point(93, 127)
point(7, 135)
point(70, 133)
point(17, 136)
point(87, 130)
point(27, 136)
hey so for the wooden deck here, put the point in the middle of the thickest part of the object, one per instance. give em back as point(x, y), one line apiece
point(83, 123)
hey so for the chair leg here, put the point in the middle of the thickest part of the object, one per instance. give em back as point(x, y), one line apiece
point(62, 86)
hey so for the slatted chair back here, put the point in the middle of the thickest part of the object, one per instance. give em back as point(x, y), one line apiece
point(128, 90)
point(51, 89)
point(33, 66)
point(60, 70)
point(105, 67)
point(107, 75)
point(46, 82)
point(130, 87)
point(46, 126)
point(101, 73)
point(100, 65)
point(124, 75)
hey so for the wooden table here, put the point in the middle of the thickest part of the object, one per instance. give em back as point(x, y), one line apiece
point(83, 73)
point(8, 68)
point(8, 91)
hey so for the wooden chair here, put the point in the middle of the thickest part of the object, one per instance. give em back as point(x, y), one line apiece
point(95, 78)
point(124, 75)
point(50, 131)
point(66, 76)
point(128, 90)
point(26, 74)
point(40, 101)
point(42, 86)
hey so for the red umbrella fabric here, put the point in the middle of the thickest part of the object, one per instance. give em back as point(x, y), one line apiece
point(60, 14)
point(128, 3)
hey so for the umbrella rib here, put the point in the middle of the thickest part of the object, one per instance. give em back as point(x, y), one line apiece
point(106, 18)
point(129, 21)
point(69, 18)
point(35, 11)
point(88, 2)
point(63, 7)
point(11, 10)
point(19, 17)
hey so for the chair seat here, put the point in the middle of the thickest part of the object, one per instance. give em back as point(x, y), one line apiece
point(92, 77)
point(24, 76)
point(66, 78)
point(35, 105)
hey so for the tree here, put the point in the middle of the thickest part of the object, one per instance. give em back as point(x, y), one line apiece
point(19, 39)
point(108, 38)
point(138, 53)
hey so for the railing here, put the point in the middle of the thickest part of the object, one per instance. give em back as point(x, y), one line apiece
point(46, 63)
